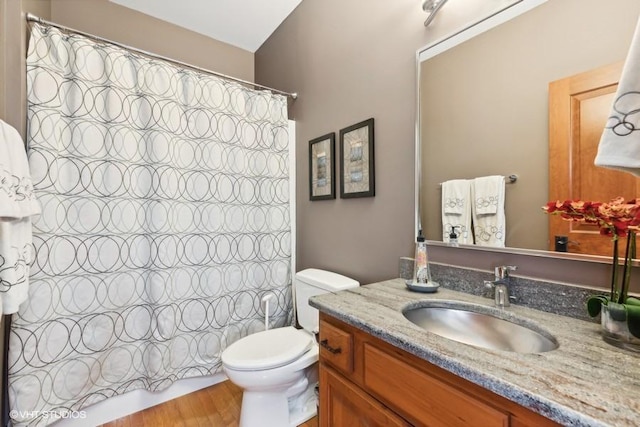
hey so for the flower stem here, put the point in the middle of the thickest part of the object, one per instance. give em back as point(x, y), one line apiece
point(626, 278)
point(614, 270)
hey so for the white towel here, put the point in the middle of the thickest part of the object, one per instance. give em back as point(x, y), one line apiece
point(17, 204)
point(619, 146)
point(456, 210)
point(489, 221)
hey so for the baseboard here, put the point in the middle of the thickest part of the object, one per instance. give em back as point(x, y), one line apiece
point(135, 401)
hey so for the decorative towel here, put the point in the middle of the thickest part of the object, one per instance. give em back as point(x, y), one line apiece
point(488, 194)
point(456, 210)
point(17, 204)
point(619, 146)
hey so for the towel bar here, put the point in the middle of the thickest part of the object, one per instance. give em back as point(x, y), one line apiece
point(511, 179)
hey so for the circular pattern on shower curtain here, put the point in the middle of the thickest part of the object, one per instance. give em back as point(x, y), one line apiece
point(166, 218)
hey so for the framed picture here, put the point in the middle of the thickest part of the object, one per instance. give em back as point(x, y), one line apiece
point(322, 170)
point(356, 161)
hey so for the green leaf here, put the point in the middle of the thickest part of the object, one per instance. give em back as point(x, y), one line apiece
point(633, 320)
point(617, 311)
point(595, 303)
point(632, 301)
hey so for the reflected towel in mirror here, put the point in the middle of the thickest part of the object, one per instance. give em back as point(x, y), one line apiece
point(456, 210)
point(489, 221)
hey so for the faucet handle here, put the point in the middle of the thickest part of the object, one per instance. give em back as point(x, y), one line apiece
point(502, 271)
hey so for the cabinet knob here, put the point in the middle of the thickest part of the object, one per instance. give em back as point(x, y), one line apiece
point(325, 343)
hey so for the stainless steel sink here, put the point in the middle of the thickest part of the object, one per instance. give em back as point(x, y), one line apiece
point(474, 325)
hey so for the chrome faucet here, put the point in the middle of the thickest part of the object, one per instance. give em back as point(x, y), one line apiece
point(501, 285)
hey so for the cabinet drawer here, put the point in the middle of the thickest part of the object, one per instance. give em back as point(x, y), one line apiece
point(336, 347)
point(423, 399)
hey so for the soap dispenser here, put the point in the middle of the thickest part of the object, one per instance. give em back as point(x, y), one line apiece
point(453, 237)
point(421, 281)
point(421, 274)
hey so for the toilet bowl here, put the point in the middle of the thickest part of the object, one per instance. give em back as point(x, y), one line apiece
point(277, 369)
point(278, 385)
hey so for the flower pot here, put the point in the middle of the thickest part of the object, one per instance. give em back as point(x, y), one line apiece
point(616, 332)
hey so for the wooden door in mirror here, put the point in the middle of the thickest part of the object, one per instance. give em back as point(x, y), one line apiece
point(578, 110)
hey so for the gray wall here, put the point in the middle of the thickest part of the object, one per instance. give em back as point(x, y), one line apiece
point(349, 61)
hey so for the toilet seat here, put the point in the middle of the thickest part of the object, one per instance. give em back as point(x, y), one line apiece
point(267, 349)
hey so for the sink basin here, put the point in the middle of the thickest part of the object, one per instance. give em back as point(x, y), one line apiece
point(474, 325)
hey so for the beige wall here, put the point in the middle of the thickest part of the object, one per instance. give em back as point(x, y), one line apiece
point(495, 88)
point(348, 64)
point(13, 39)
point(3, 48)
point(13, 35)
point(349, 61)
point(111, 21)
point(124, 25)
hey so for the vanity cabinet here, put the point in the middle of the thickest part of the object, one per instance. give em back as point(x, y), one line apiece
point(365, 381)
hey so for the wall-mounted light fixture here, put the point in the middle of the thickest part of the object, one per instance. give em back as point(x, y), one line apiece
point(431, 7)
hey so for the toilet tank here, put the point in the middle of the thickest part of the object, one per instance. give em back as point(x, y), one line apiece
point(312, 282)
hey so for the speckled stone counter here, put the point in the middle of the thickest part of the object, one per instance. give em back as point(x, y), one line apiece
point(585, 382)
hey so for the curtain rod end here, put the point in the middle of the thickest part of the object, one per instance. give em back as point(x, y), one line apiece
point(31, 17)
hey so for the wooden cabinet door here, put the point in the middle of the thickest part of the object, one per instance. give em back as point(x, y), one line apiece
point(578, 110)
point(343, 404)
point(423, 399)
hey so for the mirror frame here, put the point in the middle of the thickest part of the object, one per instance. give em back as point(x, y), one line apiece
point(443, 44)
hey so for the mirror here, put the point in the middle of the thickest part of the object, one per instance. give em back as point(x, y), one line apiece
point(483, 104)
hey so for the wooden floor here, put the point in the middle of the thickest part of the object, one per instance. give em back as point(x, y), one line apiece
point(215, 406)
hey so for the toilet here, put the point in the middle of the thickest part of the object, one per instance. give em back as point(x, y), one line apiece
point(277, 369)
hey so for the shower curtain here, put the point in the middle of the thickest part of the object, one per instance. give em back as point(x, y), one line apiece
point(166, 219)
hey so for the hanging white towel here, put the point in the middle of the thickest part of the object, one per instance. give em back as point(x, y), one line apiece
point(17, 204)
point(456, 210)
point(619, 146)
point(488, 195)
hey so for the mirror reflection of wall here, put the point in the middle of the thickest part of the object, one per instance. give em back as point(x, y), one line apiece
point(484, 104)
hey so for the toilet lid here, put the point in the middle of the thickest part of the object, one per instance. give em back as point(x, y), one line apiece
point(267, 349)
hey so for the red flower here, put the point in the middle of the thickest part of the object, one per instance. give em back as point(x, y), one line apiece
point(613, 218)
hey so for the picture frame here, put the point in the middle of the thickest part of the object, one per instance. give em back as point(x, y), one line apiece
point(357, 165)
point(322, 169)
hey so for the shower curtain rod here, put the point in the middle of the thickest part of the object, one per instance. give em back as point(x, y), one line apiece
point(34, 18)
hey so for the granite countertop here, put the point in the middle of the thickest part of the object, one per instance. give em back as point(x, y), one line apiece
point(585, 382)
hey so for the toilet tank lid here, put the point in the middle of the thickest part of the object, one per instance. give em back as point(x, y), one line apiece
point(326, 280)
